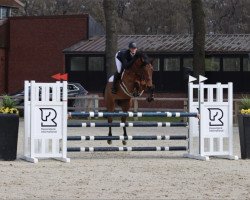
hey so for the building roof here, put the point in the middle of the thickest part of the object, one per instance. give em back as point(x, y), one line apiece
point(11, 3)
point(219, 43)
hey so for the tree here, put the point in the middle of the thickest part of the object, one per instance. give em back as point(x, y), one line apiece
point(222, 16)
point(51, 7)
point(227, 16)
point(110, 12)
point(198, 37)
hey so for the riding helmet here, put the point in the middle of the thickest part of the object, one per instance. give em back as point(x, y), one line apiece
point(132, 45)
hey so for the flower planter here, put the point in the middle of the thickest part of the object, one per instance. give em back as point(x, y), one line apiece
point(9, 124)
point(244, 131)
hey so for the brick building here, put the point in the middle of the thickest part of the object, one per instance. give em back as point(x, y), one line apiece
point(35, 44)
point(3, 36)
point(6, 8)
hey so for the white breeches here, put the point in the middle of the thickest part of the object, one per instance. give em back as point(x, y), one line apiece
point(118, 64)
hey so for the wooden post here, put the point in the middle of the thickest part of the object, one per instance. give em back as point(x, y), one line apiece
point(185, 108)
point(135, 108)
point(236, 111)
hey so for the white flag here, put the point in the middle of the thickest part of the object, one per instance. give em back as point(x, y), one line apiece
point(191, 79)
point(202, 78)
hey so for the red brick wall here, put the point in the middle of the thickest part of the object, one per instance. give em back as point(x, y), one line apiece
point(36, 45)
point(3, 42)
point(2, 71)
point(3, 33)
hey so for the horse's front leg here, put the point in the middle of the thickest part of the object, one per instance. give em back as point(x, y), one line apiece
point(136, 89)
point(110, 119)
point(123, 119)
point(151, 94)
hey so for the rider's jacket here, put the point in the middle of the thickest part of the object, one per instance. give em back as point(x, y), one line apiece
point(125, 57)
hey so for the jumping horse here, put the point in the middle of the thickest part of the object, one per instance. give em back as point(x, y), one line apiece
point(134, 81)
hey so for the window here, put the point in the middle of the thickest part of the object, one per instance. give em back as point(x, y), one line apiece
point(212, 64)
point(156, 64)
point(3, 12)
point(188, 62)
point(78, 64)
point(72, 87)
point(96, 63)
point(171, 64)
point(246, 64)
point(231, 64)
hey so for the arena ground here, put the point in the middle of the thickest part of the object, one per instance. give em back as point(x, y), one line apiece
point(126, 175)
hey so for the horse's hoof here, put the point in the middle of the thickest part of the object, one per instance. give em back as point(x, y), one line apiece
point(124, 142)
point(109, 141)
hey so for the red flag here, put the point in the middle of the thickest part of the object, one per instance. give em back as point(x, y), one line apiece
point(60, 77)
point(64, 77)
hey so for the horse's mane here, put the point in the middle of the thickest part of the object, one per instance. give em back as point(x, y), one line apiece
point(141, 55)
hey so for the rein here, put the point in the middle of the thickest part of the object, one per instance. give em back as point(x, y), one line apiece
point(125, 89)
point(136, 74)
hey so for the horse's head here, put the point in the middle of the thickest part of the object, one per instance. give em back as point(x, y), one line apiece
point(143, 69)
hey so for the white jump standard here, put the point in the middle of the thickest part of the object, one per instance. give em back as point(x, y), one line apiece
point(212, 135)
point(45, 116)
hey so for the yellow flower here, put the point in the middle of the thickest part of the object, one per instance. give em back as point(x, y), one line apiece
point(245, 111)
point(7, 110)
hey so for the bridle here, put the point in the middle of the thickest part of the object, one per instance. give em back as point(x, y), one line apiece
point(136, 73)
point(126, 90)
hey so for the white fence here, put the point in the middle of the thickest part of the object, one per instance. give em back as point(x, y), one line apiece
point(46, 121)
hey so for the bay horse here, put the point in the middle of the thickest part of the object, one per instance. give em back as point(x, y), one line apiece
point(134, 81)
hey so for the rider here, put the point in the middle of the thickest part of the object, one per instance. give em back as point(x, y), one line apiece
point(123, 60)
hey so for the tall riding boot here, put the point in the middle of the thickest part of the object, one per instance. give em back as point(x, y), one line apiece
point(117, 77)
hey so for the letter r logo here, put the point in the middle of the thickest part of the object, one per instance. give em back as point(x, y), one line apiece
point(48, 116)
point(215, 116)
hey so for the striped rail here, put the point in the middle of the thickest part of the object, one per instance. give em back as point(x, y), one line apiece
point(141, 137)
point(96, 149)
point(131, 114)
point(128, 124)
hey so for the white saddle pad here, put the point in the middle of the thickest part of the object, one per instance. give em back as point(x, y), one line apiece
point(111, 78)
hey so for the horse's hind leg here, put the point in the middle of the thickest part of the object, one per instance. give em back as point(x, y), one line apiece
point(123, 119)
point(126, 104)
point(110, 105)
point(110, 119)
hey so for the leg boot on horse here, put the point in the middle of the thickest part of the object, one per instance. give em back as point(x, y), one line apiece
point(123, 119)
point(117, 77)
point(110, 130)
